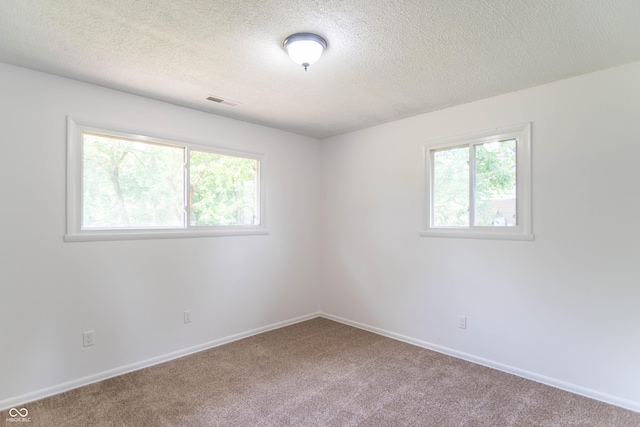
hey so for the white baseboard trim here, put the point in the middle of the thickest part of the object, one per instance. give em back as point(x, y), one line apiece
point(562, 385)
point(23, 399)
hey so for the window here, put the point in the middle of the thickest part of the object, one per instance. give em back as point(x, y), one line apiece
point(126, 186)
point(479, 185)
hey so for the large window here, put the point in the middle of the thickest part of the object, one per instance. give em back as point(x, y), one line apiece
point(124, 186)
point(479, 185)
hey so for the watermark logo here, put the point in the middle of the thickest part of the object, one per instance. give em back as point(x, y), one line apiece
point(18, 416)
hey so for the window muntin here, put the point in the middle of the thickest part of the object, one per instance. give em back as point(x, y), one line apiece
point(479, 185)
point(122, 185)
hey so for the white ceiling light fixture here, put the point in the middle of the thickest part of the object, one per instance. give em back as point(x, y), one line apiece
point(305, 48)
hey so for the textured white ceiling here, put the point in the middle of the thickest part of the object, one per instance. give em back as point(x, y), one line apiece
point(386, 59)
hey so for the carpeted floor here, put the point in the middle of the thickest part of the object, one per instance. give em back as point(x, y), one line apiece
point(320, 373)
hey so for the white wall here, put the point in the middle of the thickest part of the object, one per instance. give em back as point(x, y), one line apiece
point(565, 308)
point(133, 293)
point(562, 309)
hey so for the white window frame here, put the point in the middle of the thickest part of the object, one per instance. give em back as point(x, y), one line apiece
point(75, 233)
point(522, 231)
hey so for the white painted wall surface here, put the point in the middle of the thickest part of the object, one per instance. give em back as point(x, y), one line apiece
point(133, 293)
point(565, 306)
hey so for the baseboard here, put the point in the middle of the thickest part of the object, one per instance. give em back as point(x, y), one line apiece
point(80, 382)
point(572, 388)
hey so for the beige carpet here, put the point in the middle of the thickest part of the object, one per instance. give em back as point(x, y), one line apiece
point(320, 373)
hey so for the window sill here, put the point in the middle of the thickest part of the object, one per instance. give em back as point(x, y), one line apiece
point(466, 234)
point(97, 236)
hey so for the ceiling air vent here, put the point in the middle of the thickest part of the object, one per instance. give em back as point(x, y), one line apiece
point(222, 101)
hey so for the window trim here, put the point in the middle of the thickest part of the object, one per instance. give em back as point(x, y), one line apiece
point(522, 134)
point(75, 233)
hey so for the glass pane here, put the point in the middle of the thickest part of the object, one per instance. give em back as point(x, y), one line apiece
point(224, 190)
point(451, 187)
point(496, 184)
point(130, 184)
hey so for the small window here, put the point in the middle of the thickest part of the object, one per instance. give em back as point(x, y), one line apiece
point(223, 190)
point(479, 185)
point(127, 186)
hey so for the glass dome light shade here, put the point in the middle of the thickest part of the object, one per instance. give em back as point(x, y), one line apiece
point(305, 48)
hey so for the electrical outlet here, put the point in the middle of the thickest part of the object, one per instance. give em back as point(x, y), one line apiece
point(87, 338)
point(462, 322)
point(187, 316)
